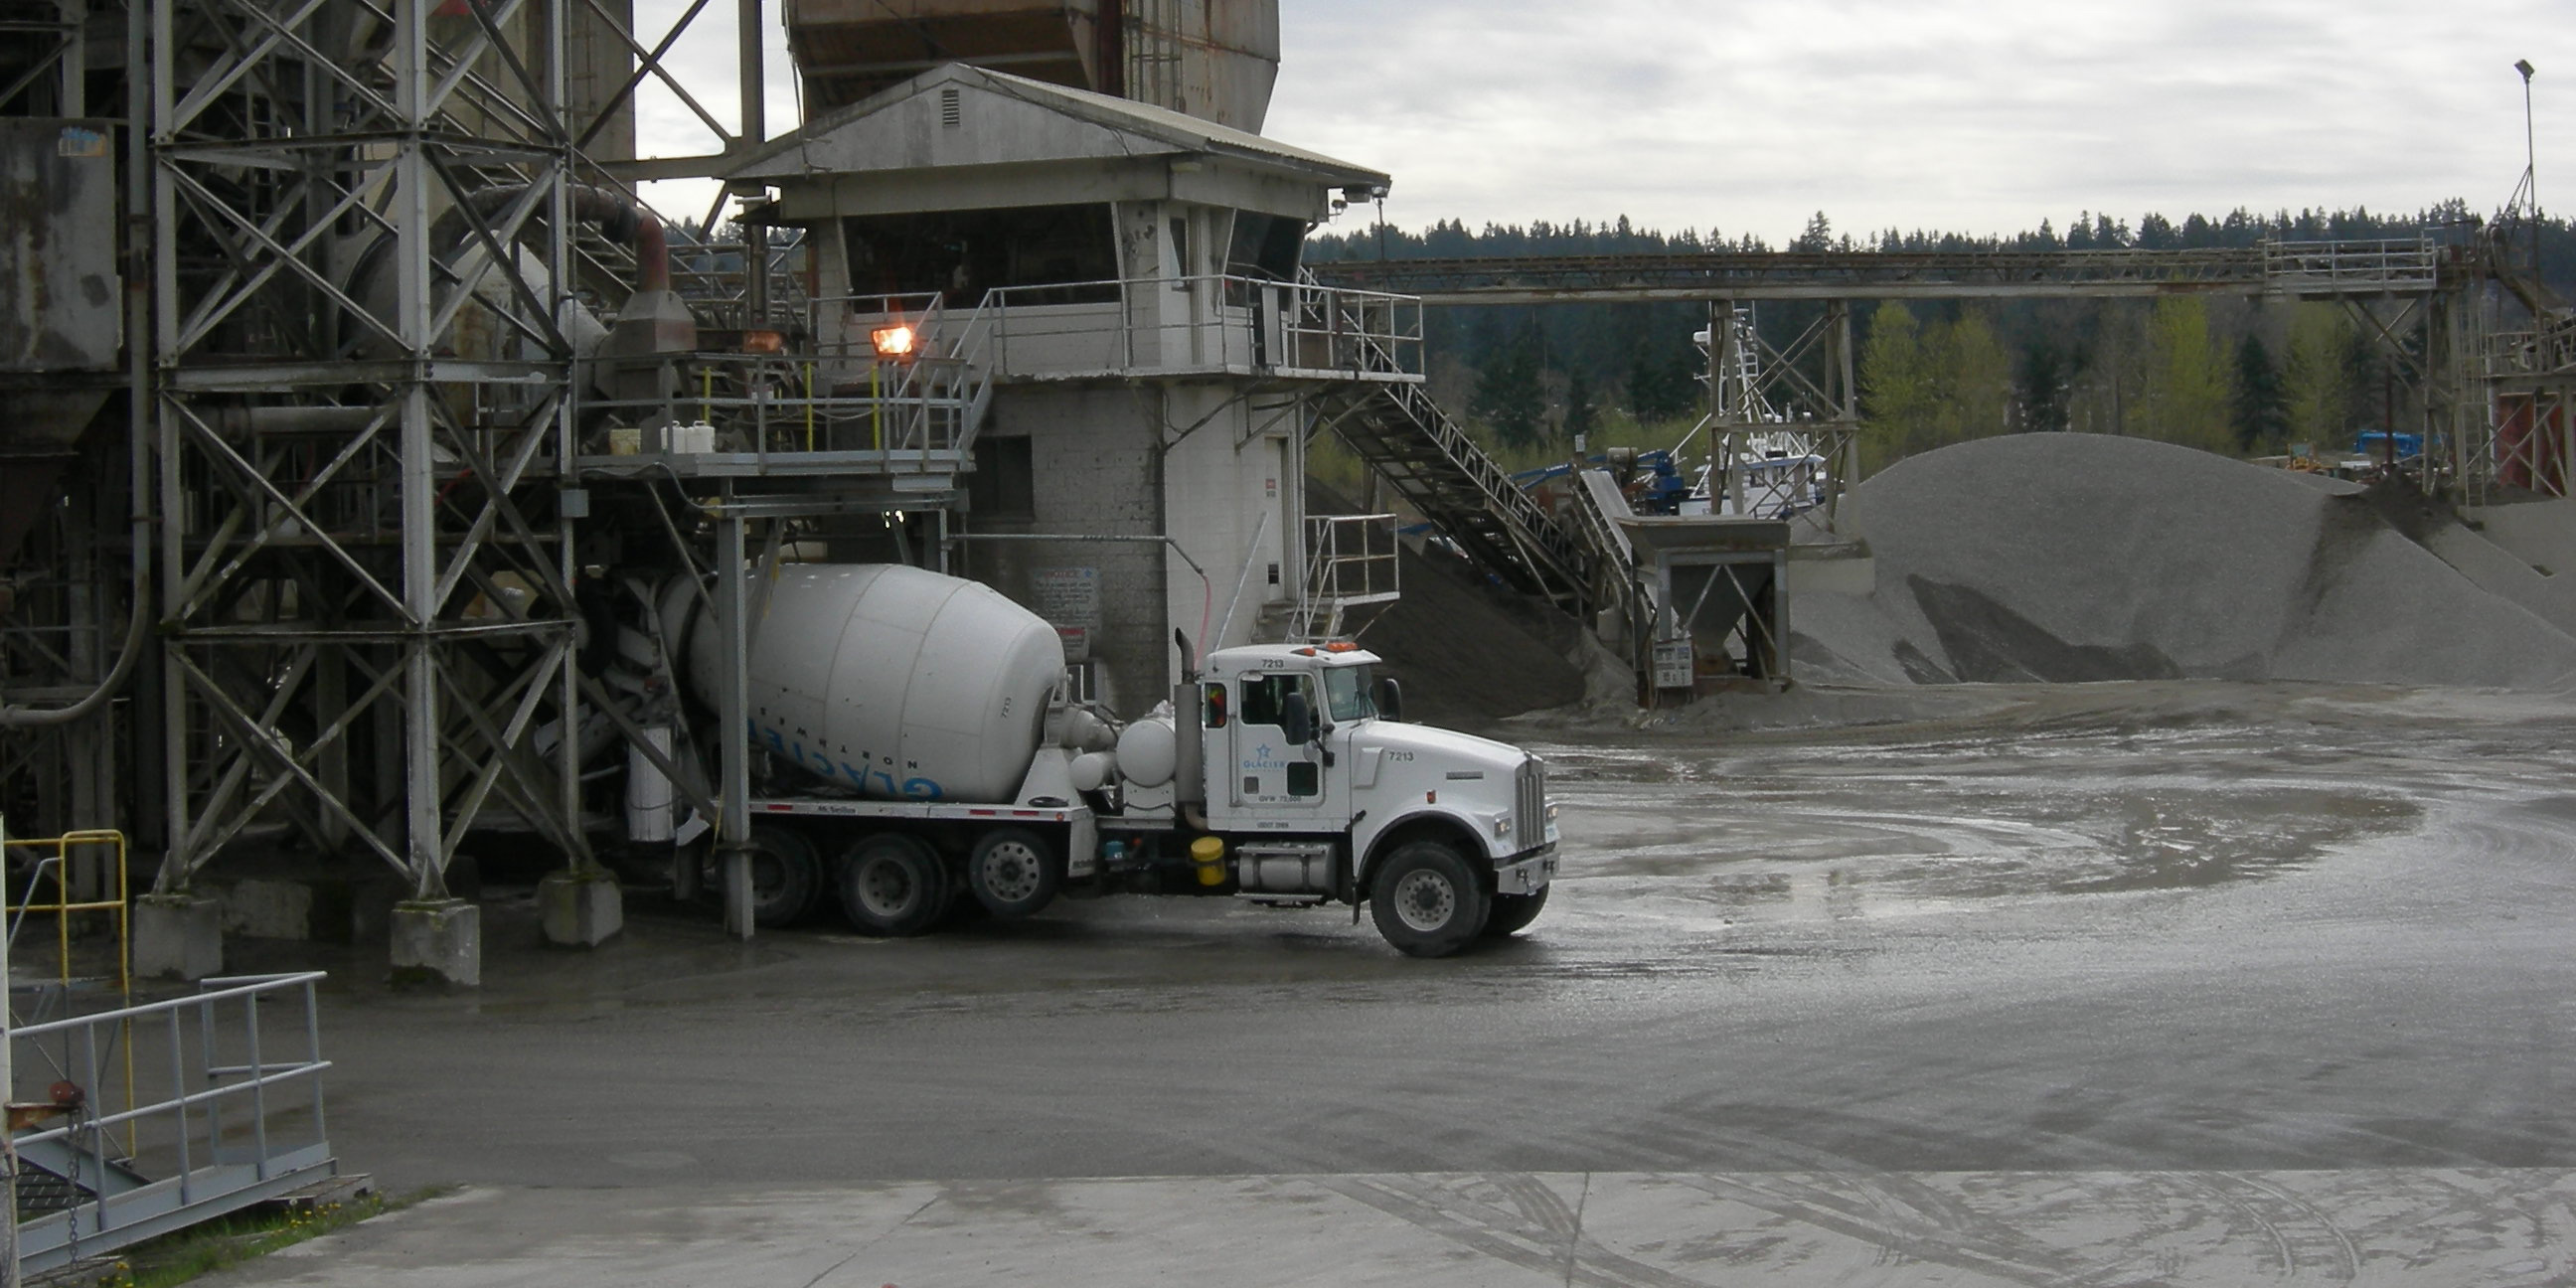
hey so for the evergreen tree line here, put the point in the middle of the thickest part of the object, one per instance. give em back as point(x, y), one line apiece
point(2219, 372)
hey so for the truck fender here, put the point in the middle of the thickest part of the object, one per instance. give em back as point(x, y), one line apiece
point(1436, 823)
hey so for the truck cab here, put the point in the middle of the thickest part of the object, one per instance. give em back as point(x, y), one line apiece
point(1323, 792)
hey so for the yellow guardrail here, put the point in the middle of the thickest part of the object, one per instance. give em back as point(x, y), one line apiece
point(56, 853)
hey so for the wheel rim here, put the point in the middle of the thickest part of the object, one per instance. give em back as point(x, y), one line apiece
point(1425, 901)
point(768, 875)
point(886, 887)
point(1011, 871)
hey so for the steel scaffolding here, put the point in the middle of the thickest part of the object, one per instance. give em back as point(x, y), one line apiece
point(366, 608)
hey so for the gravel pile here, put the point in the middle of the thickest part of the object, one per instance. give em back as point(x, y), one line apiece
point(2072, 557)
point(1467, 652)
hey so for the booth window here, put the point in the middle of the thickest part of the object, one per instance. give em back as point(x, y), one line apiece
point(1069, 251)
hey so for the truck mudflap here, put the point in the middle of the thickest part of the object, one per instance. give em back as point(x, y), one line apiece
point(1527, 874)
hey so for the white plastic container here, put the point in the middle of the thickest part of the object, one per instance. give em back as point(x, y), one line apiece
point(901, 683)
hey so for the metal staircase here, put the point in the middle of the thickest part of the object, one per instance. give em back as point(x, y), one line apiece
point(1447, 479)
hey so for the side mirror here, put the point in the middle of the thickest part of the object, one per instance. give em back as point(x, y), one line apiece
point(1390, 698)
point(1295, 720)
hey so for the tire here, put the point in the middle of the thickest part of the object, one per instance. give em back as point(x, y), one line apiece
point(893, 885)
point(1512, 912)
point(1014, 872)
point(1426, 900)
point(786, 877)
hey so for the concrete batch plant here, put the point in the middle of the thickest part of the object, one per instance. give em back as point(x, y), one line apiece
point(1125, 278)
point(360, 418)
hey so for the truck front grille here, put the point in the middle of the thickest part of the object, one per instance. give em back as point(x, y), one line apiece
point(1529, 805)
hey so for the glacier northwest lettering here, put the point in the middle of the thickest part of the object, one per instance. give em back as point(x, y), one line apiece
point(818, 761)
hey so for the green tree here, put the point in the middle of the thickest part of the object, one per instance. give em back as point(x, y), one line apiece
point(1928, 386)
point(1975, 379)
point(1898, 396)
point(2262, 407)
point(1663, 378)
point(2316, 378)
point(1580, 412)
point(2186, 399)
point(2047, 378)
point(1510, 398)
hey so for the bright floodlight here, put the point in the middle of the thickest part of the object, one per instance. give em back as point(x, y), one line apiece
point(893, 341)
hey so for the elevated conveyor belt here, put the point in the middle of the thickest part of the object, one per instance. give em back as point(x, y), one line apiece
point(2305, 270)
point(1441, 472)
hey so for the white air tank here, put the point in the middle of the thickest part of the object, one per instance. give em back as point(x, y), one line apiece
point(899, 682)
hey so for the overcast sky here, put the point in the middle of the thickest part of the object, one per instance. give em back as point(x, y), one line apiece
point(1979, 116)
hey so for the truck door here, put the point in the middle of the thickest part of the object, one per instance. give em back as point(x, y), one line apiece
point(1268, 769)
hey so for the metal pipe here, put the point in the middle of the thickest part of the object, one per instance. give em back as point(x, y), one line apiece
point(652, 251)
point(292, 420)
point(734, 837)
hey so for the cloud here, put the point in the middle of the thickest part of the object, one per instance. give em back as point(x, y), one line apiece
point(1970, 115)
point(1935, 113)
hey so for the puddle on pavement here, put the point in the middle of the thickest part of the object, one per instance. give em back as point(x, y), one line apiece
point(1812, 828)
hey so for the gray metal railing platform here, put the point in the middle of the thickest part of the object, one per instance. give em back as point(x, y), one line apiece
point(232, 1115)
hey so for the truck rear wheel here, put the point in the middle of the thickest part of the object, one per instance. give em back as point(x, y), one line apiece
point(1512, 912)
point(1014, 872)
point(1426, 901)
point(786, 877)
point(892, 884)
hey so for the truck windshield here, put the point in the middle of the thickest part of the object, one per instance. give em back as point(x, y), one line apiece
point(1347, 693)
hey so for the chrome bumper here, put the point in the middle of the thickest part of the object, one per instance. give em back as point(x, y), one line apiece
point(1528, 874)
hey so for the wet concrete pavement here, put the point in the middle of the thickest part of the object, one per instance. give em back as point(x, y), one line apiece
point(2146, 978)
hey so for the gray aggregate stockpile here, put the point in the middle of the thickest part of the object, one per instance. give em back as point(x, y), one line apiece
point(2072, 557)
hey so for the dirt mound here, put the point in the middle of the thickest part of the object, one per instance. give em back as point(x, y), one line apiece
point(2072, 557)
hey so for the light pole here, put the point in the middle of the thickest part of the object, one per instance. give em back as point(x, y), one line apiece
point(2530, 164)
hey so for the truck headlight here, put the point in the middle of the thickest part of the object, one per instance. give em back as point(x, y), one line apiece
point(1503, 825)
point(1551, 811)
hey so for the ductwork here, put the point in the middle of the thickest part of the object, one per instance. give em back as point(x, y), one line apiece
point(452, 238)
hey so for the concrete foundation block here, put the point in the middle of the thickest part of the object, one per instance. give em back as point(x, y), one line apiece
point(178, 936)
point(581, 909)
point(438, 941)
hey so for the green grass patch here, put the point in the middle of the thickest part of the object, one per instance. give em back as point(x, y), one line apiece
point(217, 1245)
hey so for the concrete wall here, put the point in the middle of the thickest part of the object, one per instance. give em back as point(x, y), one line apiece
point(1225, 490)
point(1092, 460)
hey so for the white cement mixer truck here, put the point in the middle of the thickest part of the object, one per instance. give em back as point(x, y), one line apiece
point(920, 754)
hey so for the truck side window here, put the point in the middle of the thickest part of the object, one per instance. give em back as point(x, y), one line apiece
point(1261, 694)
point(1213, 713)
point(1265, 696)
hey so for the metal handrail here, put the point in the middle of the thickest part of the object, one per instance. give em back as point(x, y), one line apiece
point(1370, 561)
point(191, 1167)
point(1213, 322)
point(2395, 264)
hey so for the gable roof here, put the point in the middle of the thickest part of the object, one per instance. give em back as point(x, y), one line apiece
point(1003, 118)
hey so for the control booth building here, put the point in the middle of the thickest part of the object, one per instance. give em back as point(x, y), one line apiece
point(1119, 286)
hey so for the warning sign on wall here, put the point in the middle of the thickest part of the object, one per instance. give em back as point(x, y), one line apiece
point(1067, 596)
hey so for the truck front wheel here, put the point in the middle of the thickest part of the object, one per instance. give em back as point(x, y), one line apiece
point(1014, 872)
point(1514, 911)
point(892, 884)
point(1426, 901)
